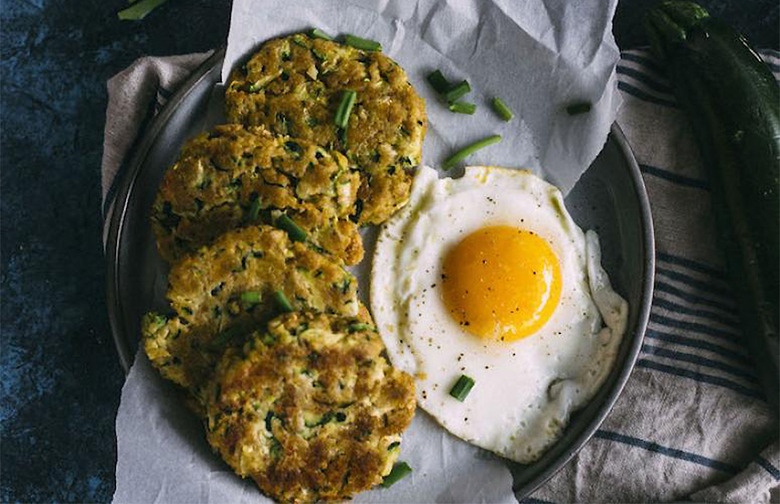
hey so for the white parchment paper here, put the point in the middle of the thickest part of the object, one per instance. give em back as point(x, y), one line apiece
point(538, 56)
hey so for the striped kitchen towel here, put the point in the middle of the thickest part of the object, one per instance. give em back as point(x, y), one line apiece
point(692, 422)
point(135, 96)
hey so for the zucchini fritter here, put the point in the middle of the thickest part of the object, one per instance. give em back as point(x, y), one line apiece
point(219, 294)
point(233, 176)
point(293, 85)
point(310, 409)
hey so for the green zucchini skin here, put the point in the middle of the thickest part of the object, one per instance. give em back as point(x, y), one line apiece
point(733, 103)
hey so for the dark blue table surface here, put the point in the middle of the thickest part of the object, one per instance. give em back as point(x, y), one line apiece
point(59, 373)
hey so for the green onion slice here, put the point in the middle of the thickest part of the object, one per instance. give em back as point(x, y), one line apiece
point(361, 43)
point(456, 91)
point(462, 388)
point(139, 10)
point(295, 232)
point(345, 108)
point(341, 133)
point(501, 109)
point(159, 320)
point(316, 33)
point(399, 471)
point(282, 303)
point(359, 326)
point(470, 149)
point(463, 107)
point(250, 298)
point(254, 210)
point(578, 108)
point(437, 80)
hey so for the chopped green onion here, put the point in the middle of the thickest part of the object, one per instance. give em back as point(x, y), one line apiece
point(282, 303)
point(578, 108)
point(361, 43)
point(254, 210)
point(324, 419)
point(463, 107)
point(456, 91)
point(462, 388)
point(255, 87)
point(341, 133)
point(345, 108)
point(437, 80)
point(470, 149)
point(359, 326)
point(298, 40)
point(316, 33)
point(293, 230)
point(158, 320)
point(250, 298)
point(501, 109)
point(139, 10)
point(399, 471)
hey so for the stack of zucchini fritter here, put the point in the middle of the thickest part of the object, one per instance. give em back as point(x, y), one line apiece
point(258, 219)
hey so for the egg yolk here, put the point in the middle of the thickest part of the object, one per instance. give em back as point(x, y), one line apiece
point(501, 282)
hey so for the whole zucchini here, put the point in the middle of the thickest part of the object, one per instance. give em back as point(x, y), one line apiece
point(733, 103)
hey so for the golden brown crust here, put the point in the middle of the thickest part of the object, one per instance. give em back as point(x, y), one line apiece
point(292, 86)
point(310, 409)
point(234, 176)
point(205, 293)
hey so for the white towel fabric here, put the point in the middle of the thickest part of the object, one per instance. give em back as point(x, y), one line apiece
point(692, 421)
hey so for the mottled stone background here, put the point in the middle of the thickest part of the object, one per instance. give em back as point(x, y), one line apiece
point(59, 374)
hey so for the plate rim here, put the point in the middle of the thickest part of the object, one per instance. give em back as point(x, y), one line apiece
point(119, 209)
point(129, 175)
point(628, 366)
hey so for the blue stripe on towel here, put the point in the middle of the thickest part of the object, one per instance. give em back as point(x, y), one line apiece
point(645, 62)
point(662, 286)
point(696, 328)
point(644, 79)
point(774, 471)
point(695, 282)
point(641, 95)
point(674, 177)
point(701, 345)
point(705, 314)
point(698, 360)
point(669, 452)
point(699, 377)
point(692, 265)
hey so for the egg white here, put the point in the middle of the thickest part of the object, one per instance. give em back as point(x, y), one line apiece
point(526, 389)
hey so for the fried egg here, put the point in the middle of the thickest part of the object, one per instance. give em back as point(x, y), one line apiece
point(487, 276)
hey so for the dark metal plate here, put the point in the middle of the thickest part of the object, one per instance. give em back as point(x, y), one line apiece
point(609, 198)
